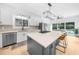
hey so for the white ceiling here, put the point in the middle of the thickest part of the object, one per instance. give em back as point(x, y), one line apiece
point(63, 9)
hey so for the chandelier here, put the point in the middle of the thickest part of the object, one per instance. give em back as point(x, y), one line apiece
point(49, 14)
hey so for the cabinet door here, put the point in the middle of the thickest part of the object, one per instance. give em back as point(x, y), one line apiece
point(12, 38)
point(33, 47)
point(8, 38)
point(21, 36)
point(15, 37)
point(1, 41)
point(53, 48)
point(5, 40)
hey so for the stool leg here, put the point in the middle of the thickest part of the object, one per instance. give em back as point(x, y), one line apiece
point(65, 43)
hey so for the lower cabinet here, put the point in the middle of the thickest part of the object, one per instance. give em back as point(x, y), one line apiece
point(33, 47)
point(21, 36)
point(36, 49)
point(9, 38)
point(0, 41)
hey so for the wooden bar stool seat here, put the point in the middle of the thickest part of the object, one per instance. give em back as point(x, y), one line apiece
point(62, 43)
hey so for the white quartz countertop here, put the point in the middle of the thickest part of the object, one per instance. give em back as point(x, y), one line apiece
point(7, 31)
point(45, 39)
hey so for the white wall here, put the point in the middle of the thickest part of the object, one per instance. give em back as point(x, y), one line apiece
point(61, 9)
point(34, 11)
point(6, 15)
point(34, 20)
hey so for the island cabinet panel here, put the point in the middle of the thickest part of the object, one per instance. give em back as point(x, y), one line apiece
point(51, 49)
point(35, 48)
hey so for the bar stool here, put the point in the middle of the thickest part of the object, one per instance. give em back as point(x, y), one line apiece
point(62, 43)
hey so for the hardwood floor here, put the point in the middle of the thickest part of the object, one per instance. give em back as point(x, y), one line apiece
point(17, 49)
point(72, 46)
point(21, 48)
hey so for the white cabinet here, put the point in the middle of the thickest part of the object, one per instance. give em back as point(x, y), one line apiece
point(0, 40)
point(21, 36)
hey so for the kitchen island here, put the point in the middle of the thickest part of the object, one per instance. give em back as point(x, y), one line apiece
point(43, 43)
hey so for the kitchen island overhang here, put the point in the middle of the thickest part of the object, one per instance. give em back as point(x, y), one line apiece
point(43, 43)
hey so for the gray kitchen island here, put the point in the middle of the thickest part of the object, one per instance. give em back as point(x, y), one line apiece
point(43, 43)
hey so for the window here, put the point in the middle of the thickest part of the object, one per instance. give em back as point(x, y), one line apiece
point(70, 25)
point(76, 31)
point(54, 26)
point(18, 22)
point(25, 23)
point(61, 26)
